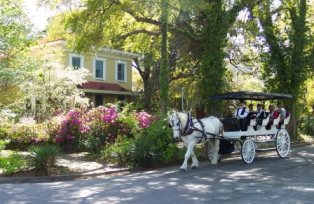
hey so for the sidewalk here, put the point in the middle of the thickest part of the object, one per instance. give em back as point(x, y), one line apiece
point(77, 162)
point(79, 166)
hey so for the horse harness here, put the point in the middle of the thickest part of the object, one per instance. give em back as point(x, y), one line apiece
point(190, 128)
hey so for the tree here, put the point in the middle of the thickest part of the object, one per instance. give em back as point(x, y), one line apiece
point(164, 70)
point(285, 52)
point(14, 41)
point(285, 61)
point(205, 28)
point(53, 88)
point(202, 26)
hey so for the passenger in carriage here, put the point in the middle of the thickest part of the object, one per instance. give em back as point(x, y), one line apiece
point(241, 113)
point(250, 106)
point(260, 115)
point(282, 113)
point(271, 109)
point(251, 114)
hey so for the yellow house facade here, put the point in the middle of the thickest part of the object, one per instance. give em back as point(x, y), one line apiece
point(111, 69)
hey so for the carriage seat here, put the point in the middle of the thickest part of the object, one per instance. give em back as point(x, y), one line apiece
point(230, 124)
point(251, 115)
point(266, 114)
point(252, 122)
point(265, 120)
point(287, 119)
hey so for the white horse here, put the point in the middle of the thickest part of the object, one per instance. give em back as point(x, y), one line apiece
point(193, 131)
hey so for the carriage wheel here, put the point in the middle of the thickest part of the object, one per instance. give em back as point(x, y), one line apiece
point(248, 151)
point(282, 143)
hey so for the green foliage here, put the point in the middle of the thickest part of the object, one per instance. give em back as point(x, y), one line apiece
point(285, 62)
point(310, 93)
point(151, 146)
point(14, 39)
point(4, 133)
point(20, 136)
point(142, 151)
point(306, 125)
point(155, 146)
point(159, 135)
point(12, 163)
point(164, 70)
point(43, 158)
point(119, 152)
point(2, 144)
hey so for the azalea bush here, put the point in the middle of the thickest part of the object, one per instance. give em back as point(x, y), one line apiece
point(102, 126)
point(70, 132)
point(144, 119)
point(92, 129)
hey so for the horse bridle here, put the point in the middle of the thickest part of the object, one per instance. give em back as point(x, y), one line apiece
point(190, 127)
point(178, 125)
point(175, 125)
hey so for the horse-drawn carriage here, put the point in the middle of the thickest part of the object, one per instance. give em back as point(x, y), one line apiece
point(226, 131)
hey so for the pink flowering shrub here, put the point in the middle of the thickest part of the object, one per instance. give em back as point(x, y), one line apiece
point(103, 127)
point(144, 119)
point(99, 127)
point(110, 115)
point(71, 130)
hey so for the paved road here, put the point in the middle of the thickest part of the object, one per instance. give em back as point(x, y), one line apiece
point(268, 180)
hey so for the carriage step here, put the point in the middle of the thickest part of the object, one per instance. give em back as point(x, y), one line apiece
point(266, 149)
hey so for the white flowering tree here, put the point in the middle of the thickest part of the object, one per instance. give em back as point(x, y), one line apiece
point(53, 89)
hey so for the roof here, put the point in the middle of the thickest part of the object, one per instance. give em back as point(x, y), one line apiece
point(103, 86)
point(46, 41)
point(256, 96)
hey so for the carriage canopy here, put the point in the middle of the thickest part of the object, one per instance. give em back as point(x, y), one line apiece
point(256, 96)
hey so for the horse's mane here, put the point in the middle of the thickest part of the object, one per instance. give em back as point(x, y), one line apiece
point(183, 118)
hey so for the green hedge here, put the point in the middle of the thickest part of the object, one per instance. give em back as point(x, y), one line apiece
point(153, 146)
point(306, 125)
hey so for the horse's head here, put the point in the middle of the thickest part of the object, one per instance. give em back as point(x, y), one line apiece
point(175, 123)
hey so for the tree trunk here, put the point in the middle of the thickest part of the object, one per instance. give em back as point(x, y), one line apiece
point(164, 72)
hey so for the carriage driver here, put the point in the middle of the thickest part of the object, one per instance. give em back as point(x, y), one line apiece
point(241, 113)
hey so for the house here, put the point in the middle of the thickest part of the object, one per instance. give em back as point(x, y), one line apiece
point(111, 69)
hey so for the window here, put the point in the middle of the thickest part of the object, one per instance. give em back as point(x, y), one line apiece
point(121, 74)
point(77, 61)
point(99, 68)
point(99, 100)
point(120, 98)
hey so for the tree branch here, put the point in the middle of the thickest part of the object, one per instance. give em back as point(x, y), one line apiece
point(135, 32)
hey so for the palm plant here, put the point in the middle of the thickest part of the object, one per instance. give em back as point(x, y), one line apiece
point(44, 157)
point(142, 152)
